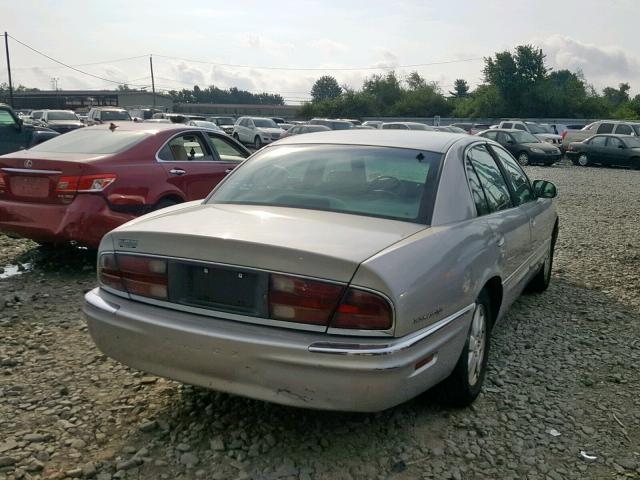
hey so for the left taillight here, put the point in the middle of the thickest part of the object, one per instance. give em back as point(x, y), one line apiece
point(134, 274)
point(3, 183)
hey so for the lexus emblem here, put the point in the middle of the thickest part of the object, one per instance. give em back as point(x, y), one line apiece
point(28, 163)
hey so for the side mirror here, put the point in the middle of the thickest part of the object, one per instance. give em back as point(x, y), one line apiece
point(544, 189)
point(19, 124)
point(620, 146)
point(510, 142)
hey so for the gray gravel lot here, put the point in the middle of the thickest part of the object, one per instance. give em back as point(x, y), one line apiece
point(564, 378)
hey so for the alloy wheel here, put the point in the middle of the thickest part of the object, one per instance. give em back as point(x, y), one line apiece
point(583, 161)
point(523, 159)
point(477, 344)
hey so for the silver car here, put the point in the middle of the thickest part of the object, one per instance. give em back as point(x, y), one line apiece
point(344, 270)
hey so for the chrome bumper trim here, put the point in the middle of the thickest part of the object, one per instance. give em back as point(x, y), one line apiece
point(389, 348)
point(31, 170)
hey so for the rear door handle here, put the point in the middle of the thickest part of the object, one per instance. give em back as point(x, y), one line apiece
point(228, 170)
point(500, 241)
point(532, 221)
point(177, 171)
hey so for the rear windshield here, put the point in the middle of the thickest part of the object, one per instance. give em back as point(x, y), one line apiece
point(524, 137)
point(94, 142)
point(384, 182)
point(265, 123)
point(225, 121)
point(61, 116)
point(111, 115)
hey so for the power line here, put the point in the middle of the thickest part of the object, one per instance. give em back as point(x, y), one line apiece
point(117, 60)
point(304, 69)
point(69, 66)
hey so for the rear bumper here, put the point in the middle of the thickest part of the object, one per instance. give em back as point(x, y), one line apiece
point(84, 221)
point(283, 366)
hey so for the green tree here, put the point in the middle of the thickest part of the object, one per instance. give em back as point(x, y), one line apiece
point(386, 89)
point(617, 96)
point(460, 88)
point(325, 88)
point(415, 81)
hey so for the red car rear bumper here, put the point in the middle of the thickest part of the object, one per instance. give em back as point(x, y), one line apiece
point(84, 221)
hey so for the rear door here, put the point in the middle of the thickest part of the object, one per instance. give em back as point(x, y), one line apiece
point(615, 152)
point(191, 164)
point(510, 224)
point(597, 148)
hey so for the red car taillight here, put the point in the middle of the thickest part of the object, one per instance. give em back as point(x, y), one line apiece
point(67, 187)
point(3, 183)
point(295, 299)
point(315, 302)
point(363, 310)
point(134, 274)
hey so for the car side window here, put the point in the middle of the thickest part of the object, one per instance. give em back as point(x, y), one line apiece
point(226, 150)
point(476, 189)
point(6, 118)
point(613, 142)
point(623, 129)
point(503, 138)
point(490, 135)
point(516, 176)
point(187, 147)
point(507, 125)
point(491, 178)
point(518, 126)
point(598, 141)
point(605, 128)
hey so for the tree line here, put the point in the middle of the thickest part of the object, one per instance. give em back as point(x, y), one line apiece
point(515, 84)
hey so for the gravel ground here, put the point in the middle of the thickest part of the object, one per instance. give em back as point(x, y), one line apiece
point(563, 379)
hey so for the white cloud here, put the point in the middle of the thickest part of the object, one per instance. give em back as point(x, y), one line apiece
point(602, 64)
point(329, 47)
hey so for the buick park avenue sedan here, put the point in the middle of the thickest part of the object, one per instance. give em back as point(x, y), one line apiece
point(344, 270)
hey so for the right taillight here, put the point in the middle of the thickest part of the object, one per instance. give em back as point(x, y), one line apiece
point(301, 300)
point(67, 187)
point(3, 183)
point(295, 299)
point(363, 310)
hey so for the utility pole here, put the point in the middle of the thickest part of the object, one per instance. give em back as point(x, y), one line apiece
point(153, 83)
point(6, 47)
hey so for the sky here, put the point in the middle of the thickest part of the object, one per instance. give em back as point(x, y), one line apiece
point(284, 46)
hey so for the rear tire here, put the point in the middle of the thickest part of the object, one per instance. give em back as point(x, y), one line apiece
point(523, 159)
point(541, 281)
point(583, 160)
point(464, 384)
point(164, 203)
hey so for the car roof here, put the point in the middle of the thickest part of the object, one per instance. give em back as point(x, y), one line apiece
point(142, 126)
point(508, 130)
point(413, 139)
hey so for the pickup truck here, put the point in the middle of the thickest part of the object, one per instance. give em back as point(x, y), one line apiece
point(601, 127)
point(534, 129)
point(15, 135)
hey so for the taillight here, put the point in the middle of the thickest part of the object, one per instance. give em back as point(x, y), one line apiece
point(363, 310)
point(564, 134)
point(314, 302)
point(295, 299)
point(67, 187)
point(3, 183)
point(134, 274)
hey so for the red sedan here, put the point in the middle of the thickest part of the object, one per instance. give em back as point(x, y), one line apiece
point(78, 186)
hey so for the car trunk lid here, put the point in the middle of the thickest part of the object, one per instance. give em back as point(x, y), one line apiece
point(50, 178)
point(302, 242)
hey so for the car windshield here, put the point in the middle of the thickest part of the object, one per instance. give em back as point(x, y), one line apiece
point(341, 125)
point(92, 141)
point(225, 121)
point(61, 116)
point(535, 128)
point(384, 182)
point(205, 124)
point(632, 142)
point(524, 137)
point(417, 126)
point(636, 129)
point(264, 123)
point(112, 115)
